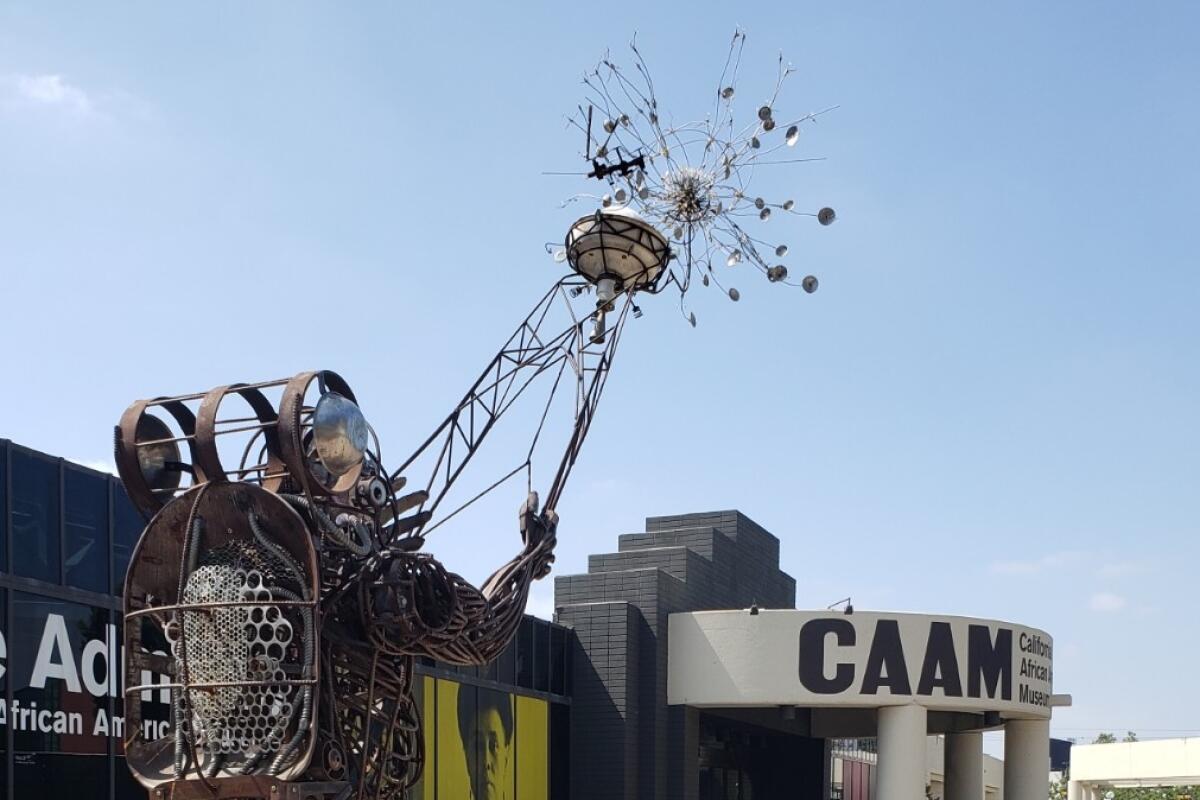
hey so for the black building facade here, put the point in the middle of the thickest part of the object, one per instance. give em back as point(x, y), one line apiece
point(626, 741)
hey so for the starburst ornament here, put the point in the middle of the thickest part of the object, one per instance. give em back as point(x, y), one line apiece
point(692, 181)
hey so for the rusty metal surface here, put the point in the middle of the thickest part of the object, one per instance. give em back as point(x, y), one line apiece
point(254, 787)
point(369, 605)
point(154, 606)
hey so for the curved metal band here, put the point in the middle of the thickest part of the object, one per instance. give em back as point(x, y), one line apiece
point(125, 452)
point(291, 444)
point(207, 454)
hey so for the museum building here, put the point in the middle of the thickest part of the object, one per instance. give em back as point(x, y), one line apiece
point(678, 667)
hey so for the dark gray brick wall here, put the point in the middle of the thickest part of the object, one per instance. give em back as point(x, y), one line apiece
point(626, 742)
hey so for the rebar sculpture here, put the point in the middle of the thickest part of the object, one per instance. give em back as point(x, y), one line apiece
point(280, 585)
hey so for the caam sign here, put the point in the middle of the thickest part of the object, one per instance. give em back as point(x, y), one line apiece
point(865, 659)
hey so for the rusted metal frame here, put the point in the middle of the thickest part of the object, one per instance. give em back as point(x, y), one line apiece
point(368, 718)
point(545, 412)
point(207, 432)
point(544, 350)
point(138, 660)
point(464, 506)
point(186, 696)
point(168, 440)
point(586, 414)
point(449, 464)
point(125, 450)
point(547, 354)
point(252, 787)
point(219, 684)
point(550, 353)
point(291, 409)
point(200, 395)
point(472, 392)
point(201, 607)
point(494, 417)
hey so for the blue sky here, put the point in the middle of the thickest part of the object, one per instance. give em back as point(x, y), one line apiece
point(989, 408)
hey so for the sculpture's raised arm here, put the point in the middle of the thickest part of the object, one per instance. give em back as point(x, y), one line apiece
point(414, 606)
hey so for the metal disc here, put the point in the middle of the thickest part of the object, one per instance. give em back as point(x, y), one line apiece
point(339, 433)
point(153, 459)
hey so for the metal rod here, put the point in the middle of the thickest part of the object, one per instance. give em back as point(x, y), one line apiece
point(219, 604)
point(220, 684)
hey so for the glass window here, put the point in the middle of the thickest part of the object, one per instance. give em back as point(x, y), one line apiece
point(541, 655)
point(62, 657)
point(506, 664)
point(54, 775)
point(125, 787)
point(3, 505)
point(85, 535)
point(560, 751)
point(558, 660)
point(525, 653)
point(4, 677)
point(35, 519)
point(127, 529)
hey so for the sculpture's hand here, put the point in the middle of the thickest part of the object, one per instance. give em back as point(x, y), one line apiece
point(538, 531)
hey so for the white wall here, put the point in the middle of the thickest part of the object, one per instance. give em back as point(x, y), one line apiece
point(1164, 762)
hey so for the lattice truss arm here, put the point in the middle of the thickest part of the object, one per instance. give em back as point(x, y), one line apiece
point(695, 181)
point(533, 351)
point(411, 604)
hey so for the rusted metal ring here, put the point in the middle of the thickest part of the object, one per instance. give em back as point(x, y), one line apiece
point(291, 442)
point(125, 452)
point(207, 454)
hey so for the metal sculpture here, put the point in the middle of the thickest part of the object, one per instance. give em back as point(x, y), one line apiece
point(280, 585)
point(693, 180)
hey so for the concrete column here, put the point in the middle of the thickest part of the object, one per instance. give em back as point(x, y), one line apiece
point(901, 773)
point(1026, 759)
point(964, 766)
point(1075, 790)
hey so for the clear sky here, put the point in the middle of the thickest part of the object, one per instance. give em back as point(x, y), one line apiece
point(989, 408)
